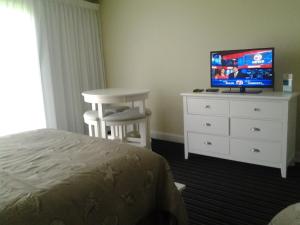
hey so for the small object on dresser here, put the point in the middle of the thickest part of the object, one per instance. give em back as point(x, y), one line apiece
point(198, 90)
point(287, 82)
point(212, 90)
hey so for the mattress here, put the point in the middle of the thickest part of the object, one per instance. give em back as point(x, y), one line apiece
point(52, 177)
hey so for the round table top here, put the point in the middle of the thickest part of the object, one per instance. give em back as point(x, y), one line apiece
point(115, 92)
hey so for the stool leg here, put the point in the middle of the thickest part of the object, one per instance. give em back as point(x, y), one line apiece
point(96, 127)
point(103, 124)
point(90, 130)
point(117, 131)
point(148, 135)
point(112, 131)
point(103, 129)
point(121, 134)
point(142, 129)
point(125, 130)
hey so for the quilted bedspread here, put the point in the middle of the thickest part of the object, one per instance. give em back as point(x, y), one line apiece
point(288, 216)
point(51, 177)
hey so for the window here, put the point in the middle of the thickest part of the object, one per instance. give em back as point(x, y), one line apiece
point(21, 97)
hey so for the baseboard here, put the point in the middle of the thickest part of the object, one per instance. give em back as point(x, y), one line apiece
point(167, 136)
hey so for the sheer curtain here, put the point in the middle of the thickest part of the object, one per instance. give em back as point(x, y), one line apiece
point(21, 101)
point(69, 58)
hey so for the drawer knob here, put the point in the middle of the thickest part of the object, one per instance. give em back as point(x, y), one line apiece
point(255, 129)
point(257, 109)
point(255, 150)
point(207, 106)
point(207, 143)
point(206, 124)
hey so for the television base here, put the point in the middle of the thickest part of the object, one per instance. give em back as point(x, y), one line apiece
point(242, 90)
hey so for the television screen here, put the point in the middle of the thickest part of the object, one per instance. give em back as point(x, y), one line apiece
point(242, 68)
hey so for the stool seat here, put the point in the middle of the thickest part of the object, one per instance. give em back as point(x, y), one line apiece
point(91, 115)
point(131, 114)
point(115, 108)
point(94, 116)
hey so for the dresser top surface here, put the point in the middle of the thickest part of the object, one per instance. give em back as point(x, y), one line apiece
point(267, 95)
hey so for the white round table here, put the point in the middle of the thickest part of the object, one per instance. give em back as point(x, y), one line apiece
point(115, 95)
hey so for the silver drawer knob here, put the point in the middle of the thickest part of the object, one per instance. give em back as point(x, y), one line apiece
point(255, 150)
point(207, 143)
point(207, 106)
point(207, 124)
point(257, 109)
point(255, 129)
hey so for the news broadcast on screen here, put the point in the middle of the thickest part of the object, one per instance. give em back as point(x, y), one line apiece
point(247, 68)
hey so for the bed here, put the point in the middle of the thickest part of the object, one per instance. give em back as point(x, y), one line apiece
point(288, 216)
point(52, 177)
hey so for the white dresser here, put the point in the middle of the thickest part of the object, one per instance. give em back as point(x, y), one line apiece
point(251, 128)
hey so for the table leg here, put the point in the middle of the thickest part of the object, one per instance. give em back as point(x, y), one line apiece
point(103, 129)
point(103, 125)
point(141, 105)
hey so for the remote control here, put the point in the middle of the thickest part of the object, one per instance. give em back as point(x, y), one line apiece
point(212, 90)
point(198, 90)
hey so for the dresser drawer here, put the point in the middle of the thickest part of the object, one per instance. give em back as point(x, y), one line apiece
point(268, 110)
point(207, 124)
point(199, 143)
point(255, 150)
point(258, 129)
point(207, 106)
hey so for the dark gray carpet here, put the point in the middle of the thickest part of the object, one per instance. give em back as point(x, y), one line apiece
point(223, 192)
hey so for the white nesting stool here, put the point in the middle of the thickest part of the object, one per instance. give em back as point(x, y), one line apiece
point(91, 118)
point(134, 135)
point(119, 125)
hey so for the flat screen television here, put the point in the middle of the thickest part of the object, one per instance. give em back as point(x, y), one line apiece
point(245, 68)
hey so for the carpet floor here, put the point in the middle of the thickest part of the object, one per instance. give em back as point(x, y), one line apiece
point(224, 192)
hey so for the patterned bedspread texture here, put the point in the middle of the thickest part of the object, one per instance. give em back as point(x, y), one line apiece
point(52, 177)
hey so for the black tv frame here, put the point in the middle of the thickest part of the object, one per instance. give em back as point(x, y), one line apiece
point(243, 88)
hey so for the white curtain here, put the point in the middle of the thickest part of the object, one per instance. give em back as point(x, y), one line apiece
point(69, 58)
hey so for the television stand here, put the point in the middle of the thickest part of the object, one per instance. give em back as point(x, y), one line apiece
point(242, 90)
point(258, 129)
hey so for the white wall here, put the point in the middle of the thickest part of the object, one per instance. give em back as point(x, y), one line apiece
point(164, 45)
